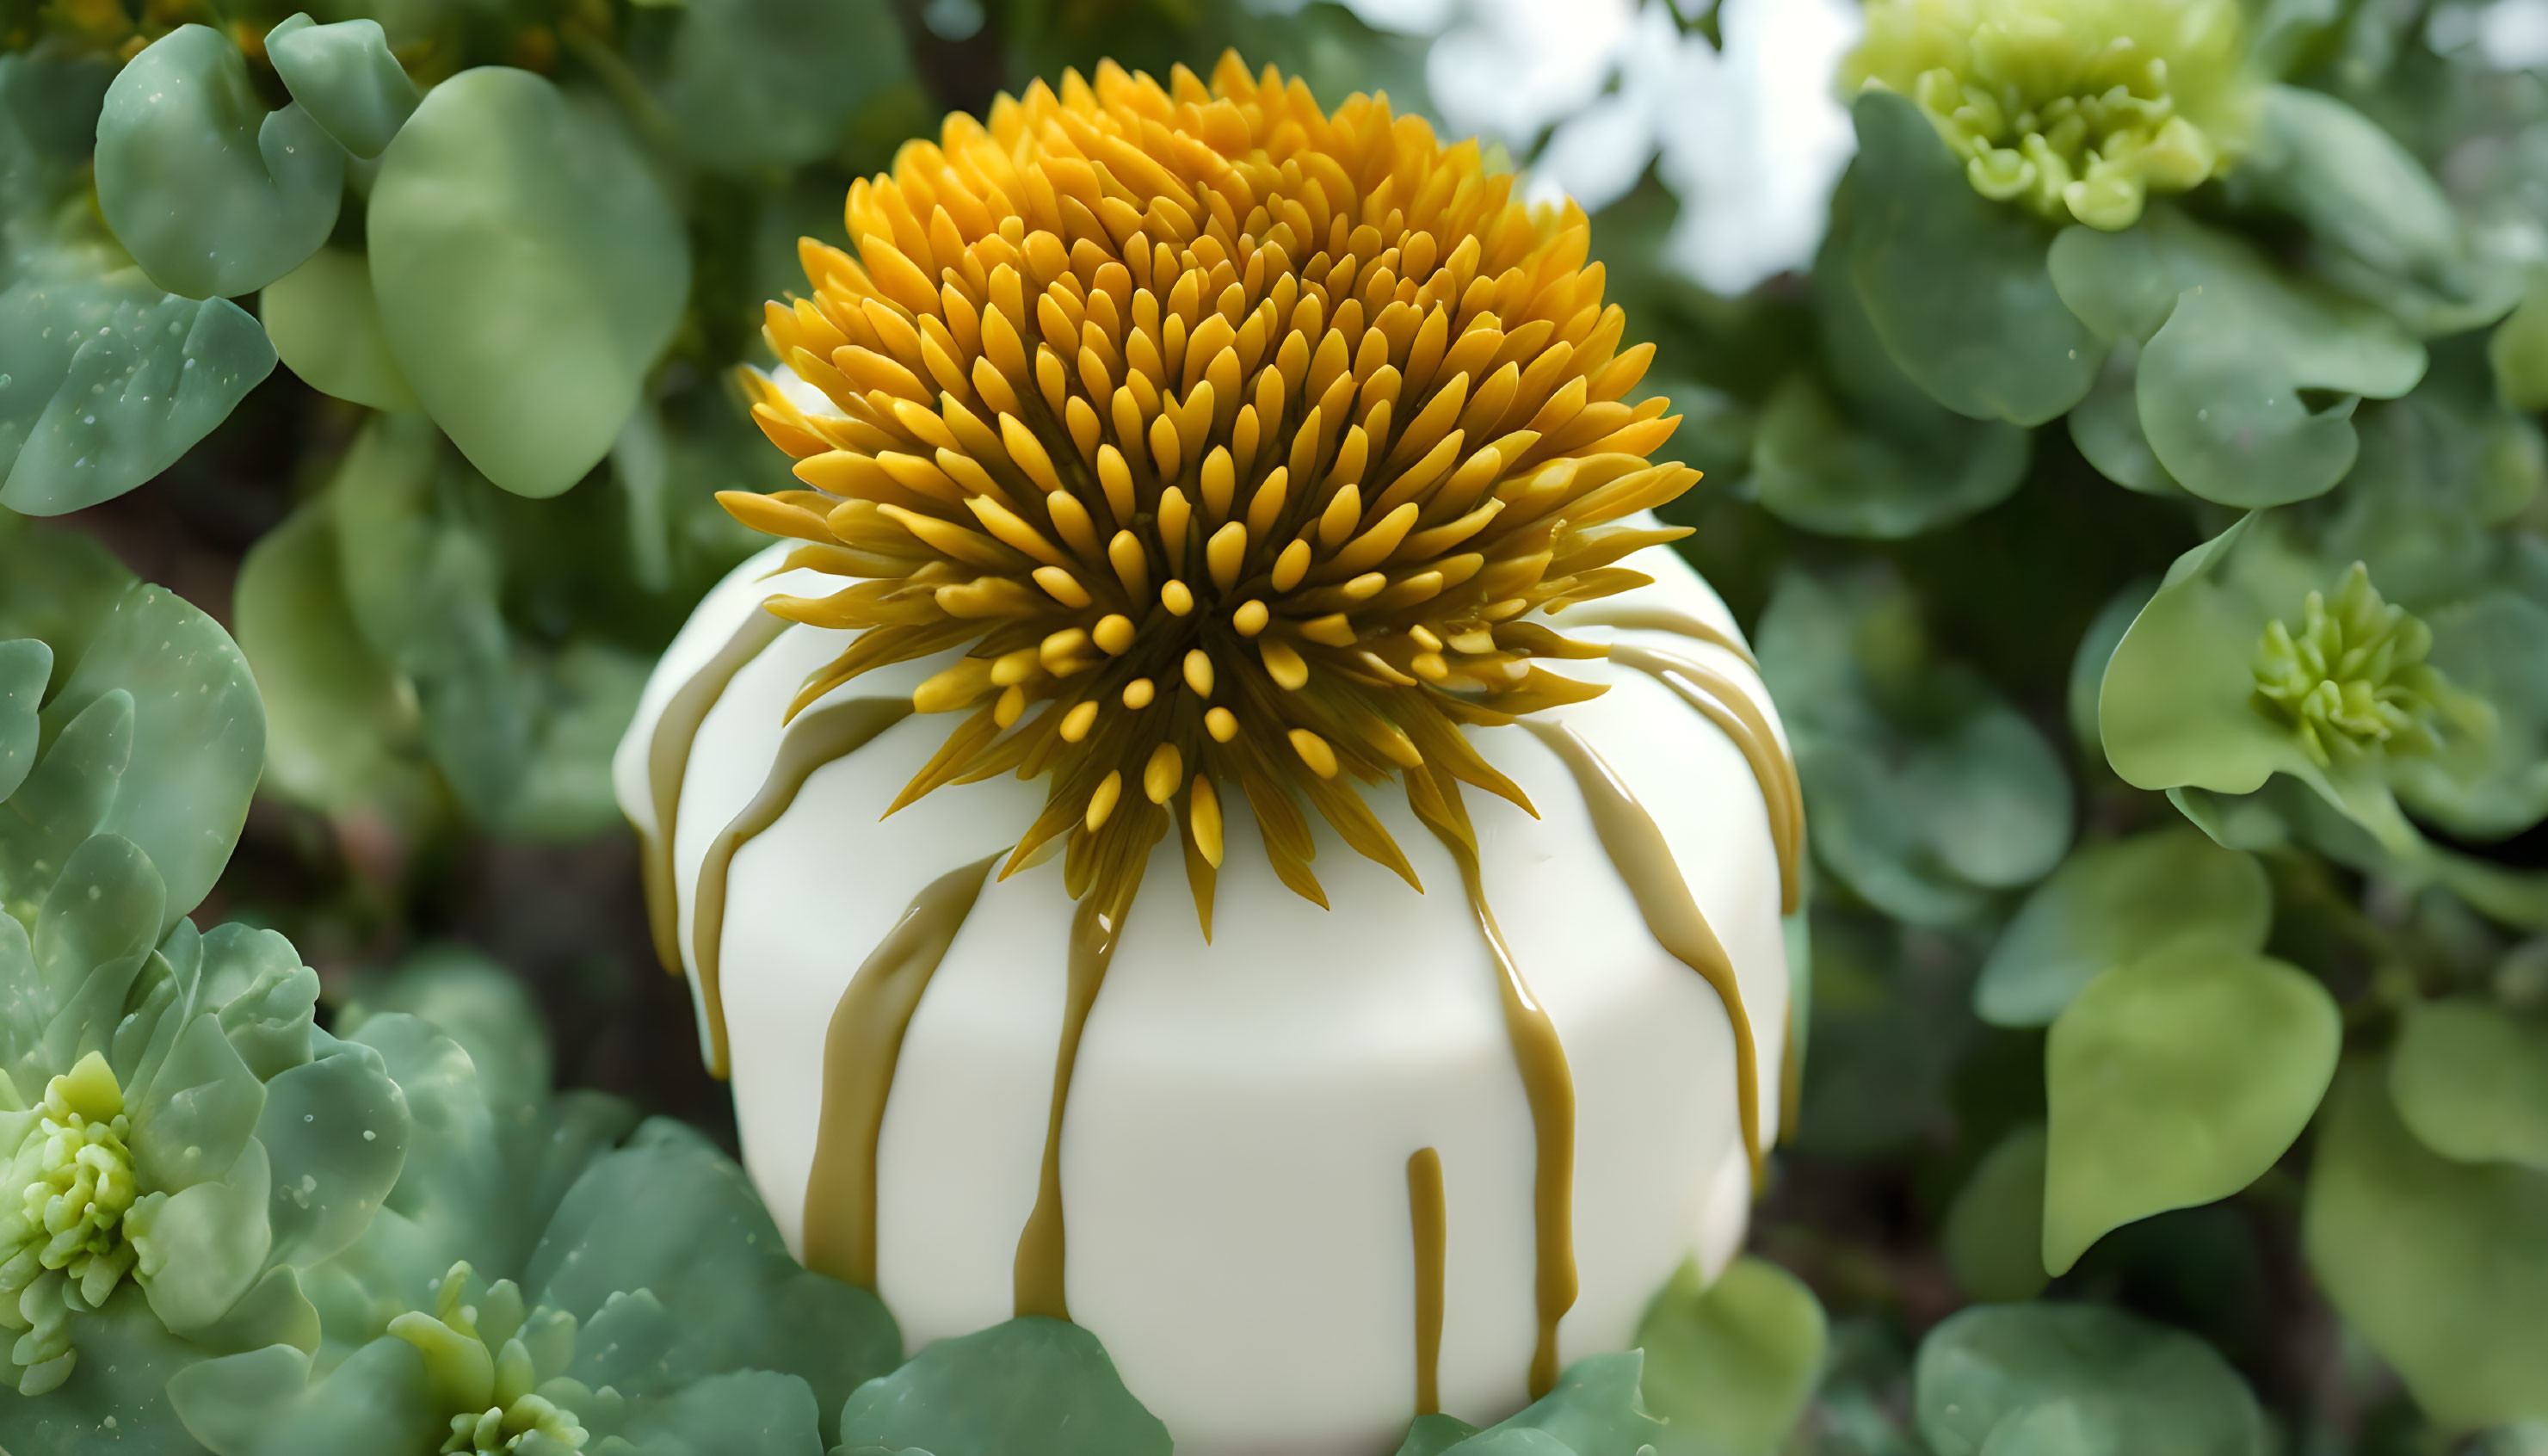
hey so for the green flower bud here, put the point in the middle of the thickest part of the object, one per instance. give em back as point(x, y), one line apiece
point(489, 1361)
point(66, 1238)
point(2352, 679)
point(2079, 109)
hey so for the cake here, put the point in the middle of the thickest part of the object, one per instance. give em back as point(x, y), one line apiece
point(1225, 820)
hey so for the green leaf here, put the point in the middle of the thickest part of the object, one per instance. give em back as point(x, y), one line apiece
point(2107, 427)
point(2228, 345)
point(212, 195)
point(1427, 1435)
point(193, 1119)
point(2387, 233)
point(2471, 1080)
point(1992, 1375)
point(2442, 1266)
point(337, 1128)
point(1813, 468)
point(1593, 1411)
point(339, 736)
point(2176, 1080)
point(202, 1249)
point(1994, 1234)
point(1730, 1365)
point(773, 83)
point(26, 666)
point(111, 381)
point(1956, 284)
point(62, 802)
point(2488, 785)
point(528, 269)
point(56, 586)
point(1872, 455)
point(325, 326)
point(2113, 903)
point(103, 911)
point(264, 995)
point(747, 1412)
point(669, 1214)
point(265, 1404)
point(1927, 790)
point(116, 1398)
point(199, 735)
point(1030, 1386)
point(2096, 649)
point(273, 1312)
point(2518, 351)
point(345, 76)
point(489, 1011)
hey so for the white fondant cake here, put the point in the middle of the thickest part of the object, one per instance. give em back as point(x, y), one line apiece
point(1243, 1218)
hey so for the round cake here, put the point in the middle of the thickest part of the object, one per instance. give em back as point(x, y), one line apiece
point(1228, 823)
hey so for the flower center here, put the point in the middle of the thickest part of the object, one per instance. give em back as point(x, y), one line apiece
point(2353, 678)
point(75, 1171)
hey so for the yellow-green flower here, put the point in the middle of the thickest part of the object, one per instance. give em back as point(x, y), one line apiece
point(2079, 108)
point(73, 1170)
point(2353, 678)
point(486, 1360)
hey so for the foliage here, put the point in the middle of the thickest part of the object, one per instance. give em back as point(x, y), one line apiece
point(2135, 507)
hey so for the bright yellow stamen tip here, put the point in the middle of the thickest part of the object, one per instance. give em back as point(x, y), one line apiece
point(1076, 723)
point(1221, 724)
point(1177, 598)
point(1159, 777)
point(1139, 693)
point(1102, 803)
point(1313, 751)
point(1199, 672)
point(1114, 634)
point(1250, 618)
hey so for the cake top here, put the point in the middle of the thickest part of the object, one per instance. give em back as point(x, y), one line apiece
point(1240, 444)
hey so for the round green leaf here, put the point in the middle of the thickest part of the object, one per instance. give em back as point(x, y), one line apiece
point(2096, 649)
point(1731, 1365)
point(2174, 1081)
point(2471, 1080)
point(1956, 284)
point(477, 1003)
point(326, 327)
point(2518, 351)
point(196, 1115)
point(199, 735)
point(337, 1128)
point(1028, 1385)
point(2113, 903)
point(2442, 1265)
point(212, 194)
point(26, 666)
point(116, 1398)
point(2488, 785)
point(109, 381)
point(2107, 427)
point(1814, 468)
point(62, 802)
point(746, 1413)
point(529, 270)
point(1994, 1234)
point(103, 910)
point(55, 586)
point(202, 1249)
point(2230, 343)
point(264, 1403)
point(339, 736)
point(2128, 1386)
point(345, 76)
point(2391, 234)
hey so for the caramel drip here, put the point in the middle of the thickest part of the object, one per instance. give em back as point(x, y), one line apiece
point(1547, 1084)
point(1096, 927)
point(859, 1054)
point(1730, 708)
point(1633, 616)
point(1791, 1078)
point(1426, 1211)
point(1644, 862)
point(667, 759)
point(823, 737)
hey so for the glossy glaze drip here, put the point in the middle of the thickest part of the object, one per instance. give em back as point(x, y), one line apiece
point(1648, 618)
point(1724, 704)
point(859, 1054)
point(1430, 1221)
point(667, 759)
point(1644, 862)
point(824, 736)
point(1096, 926)
point(1547, 1084)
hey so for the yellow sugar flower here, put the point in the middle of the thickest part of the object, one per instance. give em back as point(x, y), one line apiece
point(1232, 439)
